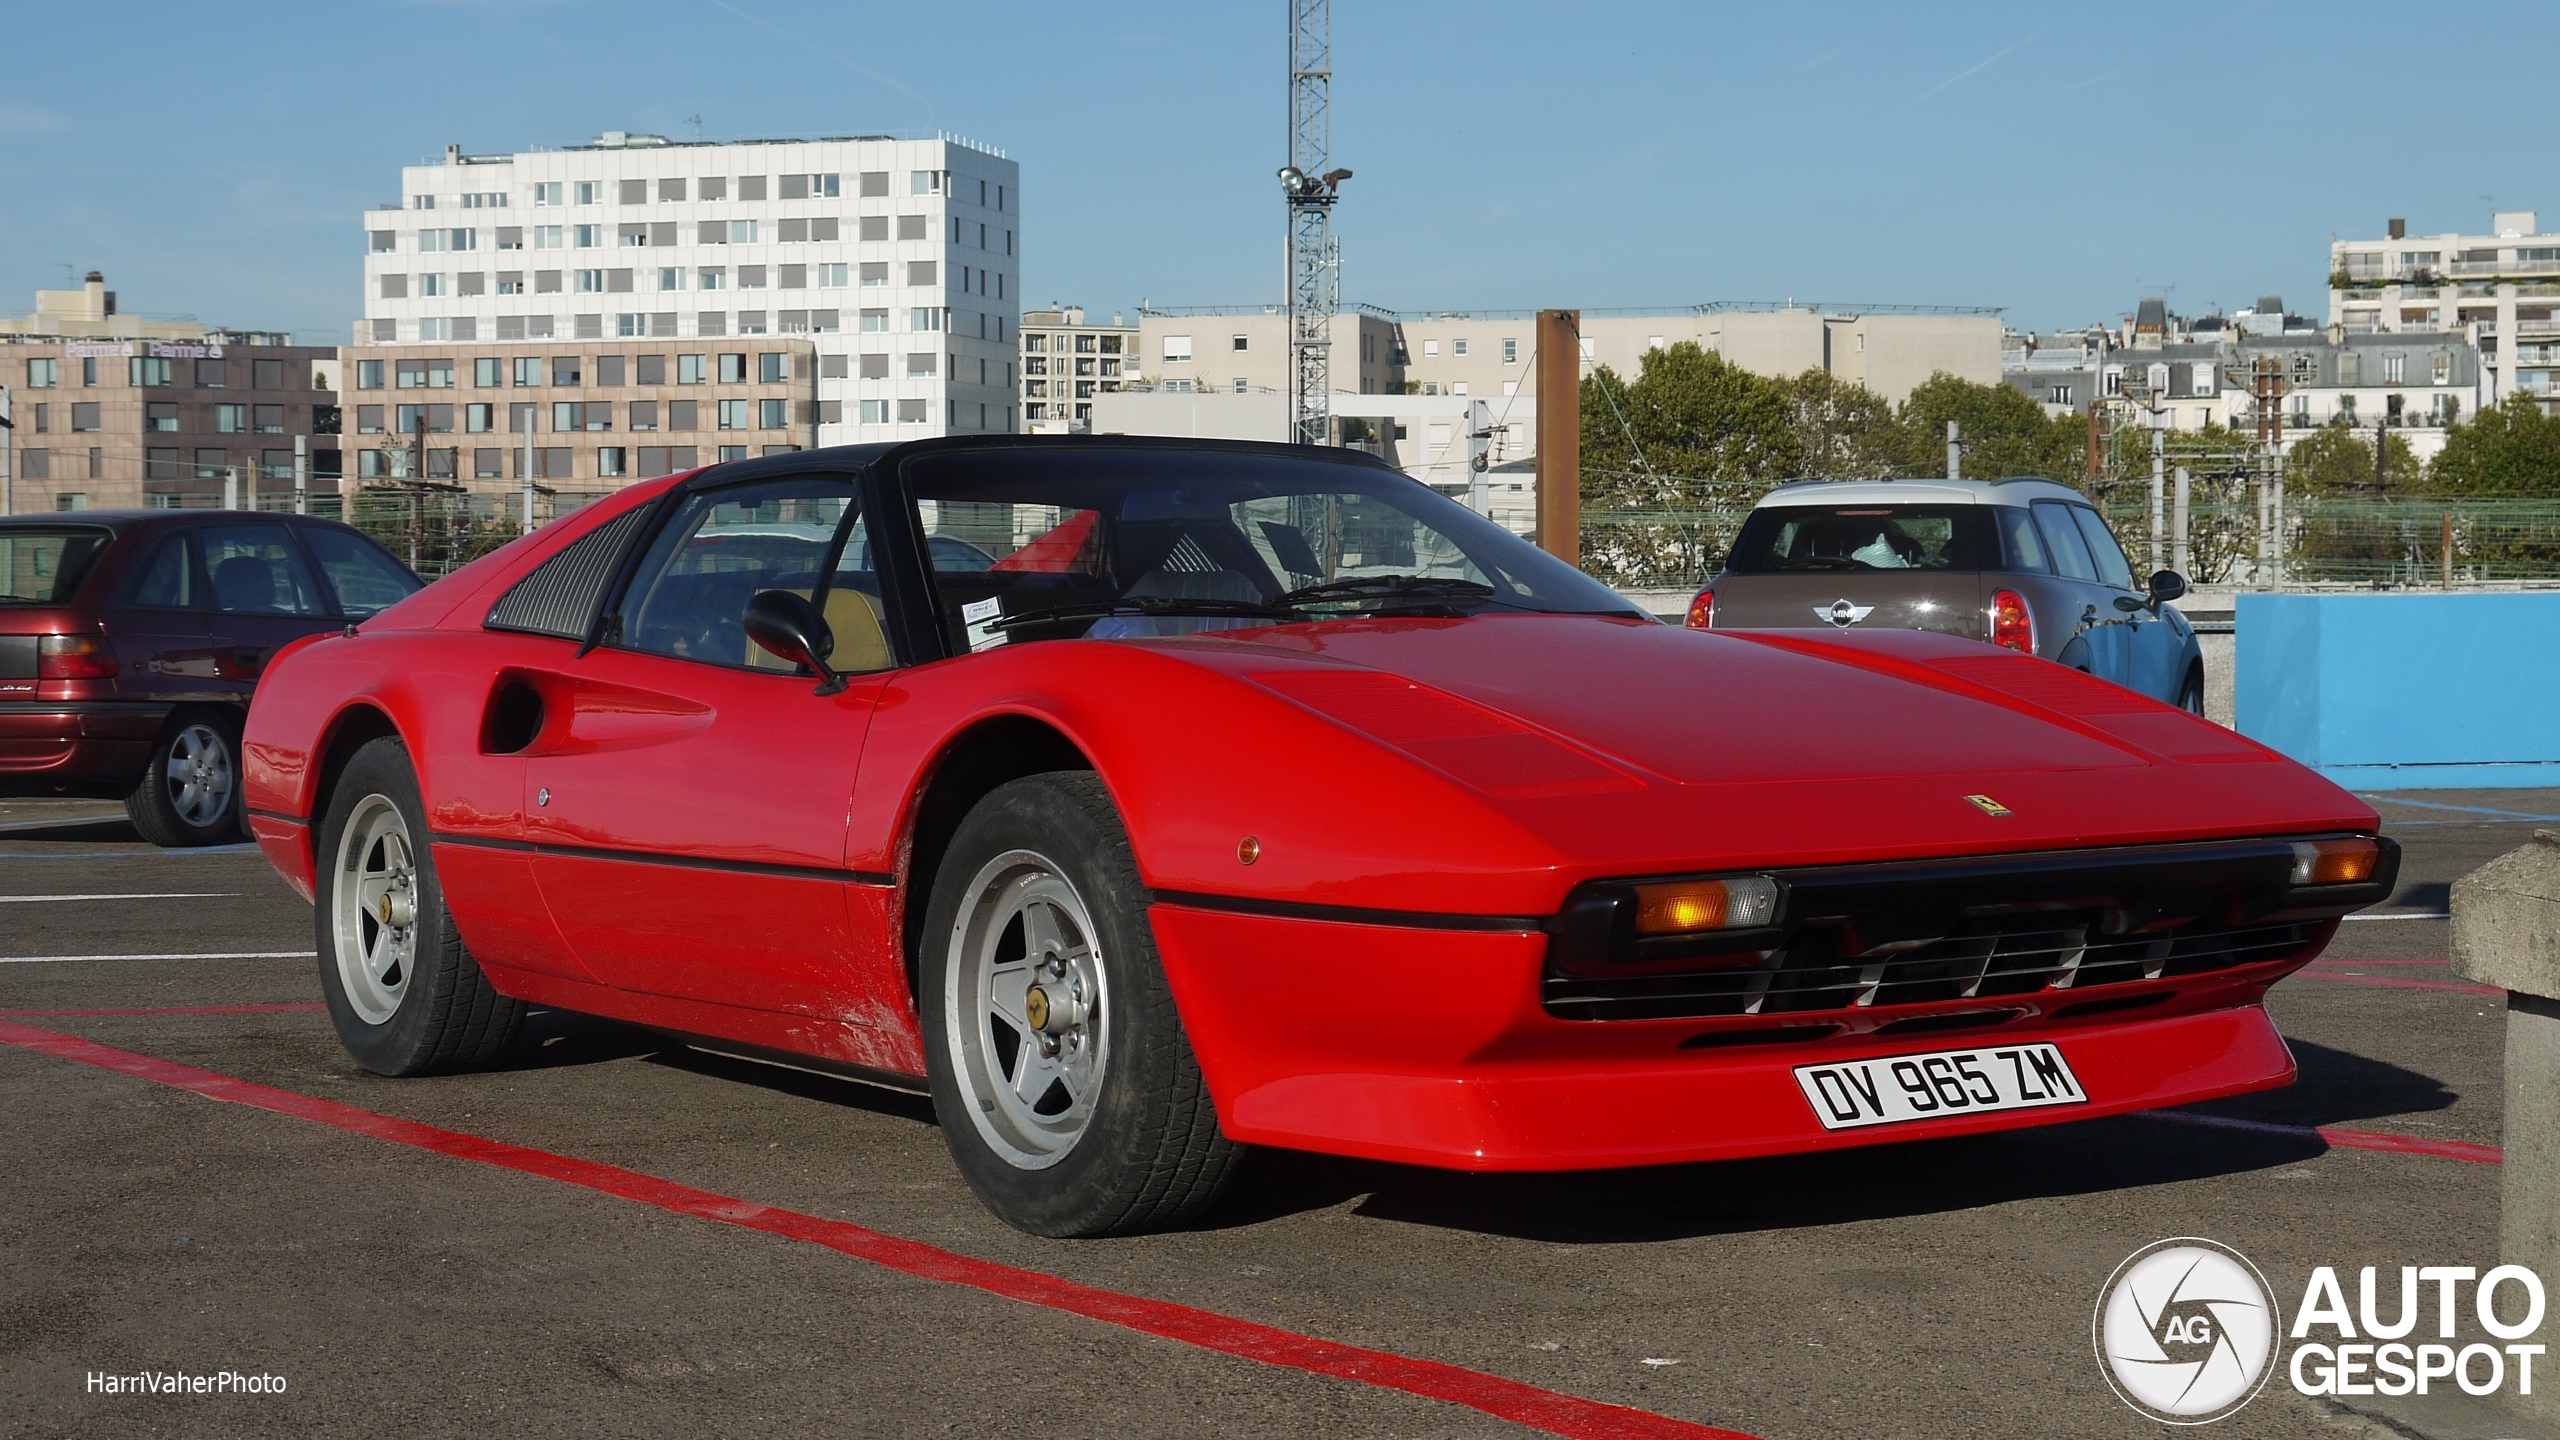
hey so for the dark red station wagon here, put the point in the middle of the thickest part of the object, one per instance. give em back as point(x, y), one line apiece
point(130, 642)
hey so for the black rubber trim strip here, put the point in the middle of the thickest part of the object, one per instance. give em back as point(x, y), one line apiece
point(680, 862)
point(279, 815)
point(1352, 915)
point(88, 707)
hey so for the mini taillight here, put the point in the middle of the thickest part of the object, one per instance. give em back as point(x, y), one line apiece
point(1702, 611)
point(2012, 628)
point(75, 657)
point(1685, 907)
point(2335, 862)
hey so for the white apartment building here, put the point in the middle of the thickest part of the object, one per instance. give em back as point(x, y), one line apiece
point(2500, 291)
point(898, 260)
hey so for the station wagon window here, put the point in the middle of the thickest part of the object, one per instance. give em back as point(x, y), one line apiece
point(688, 595)
point(166, 581)
point(2062, 537)
point(1795, 538)
point(2018, 539)
point(365, 578)
point(45, 566)
point(255, 570)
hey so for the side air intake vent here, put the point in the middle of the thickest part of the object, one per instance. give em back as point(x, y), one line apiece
point(559, 596)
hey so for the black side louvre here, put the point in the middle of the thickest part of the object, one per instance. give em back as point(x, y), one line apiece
point(559, 596)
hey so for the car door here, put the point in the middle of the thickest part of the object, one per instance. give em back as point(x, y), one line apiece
point(689, 815)
point(157, 625)
point(2094, 640)
point(263, 596)
point(2151, 645)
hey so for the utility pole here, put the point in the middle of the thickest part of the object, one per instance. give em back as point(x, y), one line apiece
point(532, 415)
point(1559, 360)
point(230, 487)
point(2183, 558)
point(2159, 458)
point(1314, 256)
point(1955, 452)
point(8, 443)
point(301, 474)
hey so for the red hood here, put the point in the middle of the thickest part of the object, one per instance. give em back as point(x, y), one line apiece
point(1665, 747)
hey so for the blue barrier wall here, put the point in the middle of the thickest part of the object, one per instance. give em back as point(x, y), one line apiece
point(2390, 692)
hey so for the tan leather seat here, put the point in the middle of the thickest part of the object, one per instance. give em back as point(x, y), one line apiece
point(860, 642)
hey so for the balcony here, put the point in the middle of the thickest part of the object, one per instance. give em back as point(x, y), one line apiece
point(2499, 269)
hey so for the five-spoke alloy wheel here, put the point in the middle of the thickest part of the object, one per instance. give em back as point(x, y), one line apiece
point(1024, 1005)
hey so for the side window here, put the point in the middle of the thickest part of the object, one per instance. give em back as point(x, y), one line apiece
point(688, 595)
point(558, 597)
point(2018, 538)
point(166, 581)
point(2112, 569)
point(255, 570)
point(365, 578)
point(2063, 541)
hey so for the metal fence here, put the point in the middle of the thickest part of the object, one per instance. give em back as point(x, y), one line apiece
point(2324, 540)
point(436, 528)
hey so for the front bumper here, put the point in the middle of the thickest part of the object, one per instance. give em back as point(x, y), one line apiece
point(1431, 1047)
point(106, 741)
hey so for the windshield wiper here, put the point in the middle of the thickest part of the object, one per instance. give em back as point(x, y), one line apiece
point(1146, 605)
point(1400, 587)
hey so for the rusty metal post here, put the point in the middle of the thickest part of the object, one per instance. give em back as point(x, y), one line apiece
point(1560, 434)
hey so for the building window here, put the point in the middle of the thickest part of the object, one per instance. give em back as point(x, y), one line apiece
point(831, 277)
point(875, 412)
point(268, 419)
point(609, 460)
point(1459, 347)
point(2058, 395)
point(733, 369)
point(161, 417)
point(1177, 347)
point(42, 374)
point(772, 368)
point(231, 419)
point(692, 369)
point(733, 414)
point(711, 277)
point(1431, 349)
point(773, 414)
point(546, 237)
point(546, 192)
point(2443, 370)
point(145, 370)
point(479, 419)
point(2393, 368)
point(742, 232)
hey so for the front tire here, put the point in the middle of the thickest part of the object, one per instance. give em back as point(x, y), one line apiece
point(189, 793)
point(2191, 693)
point(405, 996)
point(1068, 1094)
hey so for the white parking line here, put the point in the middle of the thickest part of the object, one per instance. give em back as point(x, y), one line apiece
point(206, 955)
point(2404, 915)
point(147, 895)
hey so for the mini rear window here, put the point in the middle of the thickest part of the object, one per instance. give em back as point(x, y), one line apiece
point(44, 565)
point(1863, 537)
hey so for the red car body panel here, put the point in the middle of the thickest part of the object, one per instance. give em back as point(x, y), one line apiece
point(726, 856)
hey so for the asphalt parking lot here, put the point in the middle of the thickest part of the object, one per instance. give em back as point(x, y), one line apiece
point(418, 1282)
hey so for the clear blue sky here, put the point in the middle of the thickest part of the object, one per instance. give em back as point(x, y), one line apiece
point(2056, 160)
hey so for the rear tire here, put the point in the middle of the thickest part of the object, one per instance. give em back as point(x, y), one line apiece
point(189, 793)
point(1081, 1112)
point(405, 996)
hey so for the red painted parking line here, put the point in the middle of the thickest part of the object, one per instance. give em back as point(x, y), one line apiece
point(2345, 1138)
point(2396, 983)
point(1547, 1410)
point(167, 1010)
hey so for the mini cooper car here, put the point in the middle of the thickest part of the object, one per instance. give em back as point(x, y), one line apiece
point(1261, 795)
point(130, 642)
point(2022, 563)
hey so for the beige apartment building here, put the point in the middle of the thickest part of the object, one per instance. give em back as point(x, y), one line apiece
point(2500, 291)
point(599, 415)
point(1066, 361)
point(89, 313)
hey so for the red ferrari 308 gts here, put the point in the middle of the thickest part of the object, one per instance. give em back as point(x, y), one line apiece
point(1142, 800)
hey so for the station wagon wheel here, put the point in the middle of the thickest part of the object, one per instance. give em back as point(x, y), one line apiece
point(189, 793)
point(1026, 1009)
point(374, 901)
point(404, 995)
point(1067, 1090)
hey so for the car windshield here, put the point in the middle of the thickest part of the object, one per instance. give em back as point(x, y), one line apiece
point(1114, 543)
point(45, 565)
point(1861, 537)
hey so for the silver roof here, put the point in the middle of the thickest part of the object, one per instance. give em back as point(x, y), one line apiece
point(2013, 490)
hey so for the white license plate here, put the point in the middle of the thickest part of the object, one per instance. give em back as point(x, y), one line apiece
point(1938, 1085)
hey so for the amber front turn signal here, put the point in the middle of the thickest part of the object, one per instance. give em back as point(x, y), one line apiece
point(2335, 862)
point(1686, 907)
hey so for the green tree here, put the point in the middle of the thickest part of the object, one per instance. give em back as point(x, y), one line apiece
point(2004, 431)
point(1844, 430)
point(1689, 428)
point(2336, 460)
point(2511, 452)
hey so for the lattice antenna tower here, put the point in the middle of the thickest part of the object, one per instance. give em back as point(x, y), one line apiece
point(1314, 256)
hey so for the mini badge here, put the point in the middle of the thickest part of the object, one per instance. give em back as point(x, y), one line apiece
point(1843, 614)
point(1988, 806)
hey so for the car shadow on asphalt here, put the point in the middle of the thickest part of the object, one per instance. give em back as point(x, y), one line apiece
point(1876, 1182)
point(842, 1091)
point(89, 830)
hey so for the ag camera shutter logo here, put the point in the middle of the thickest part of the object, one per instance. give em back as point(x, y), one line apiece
point(2186, 1330)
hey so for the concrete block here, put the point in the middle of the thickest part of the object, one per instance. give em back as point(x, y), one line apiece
point(2506, 920)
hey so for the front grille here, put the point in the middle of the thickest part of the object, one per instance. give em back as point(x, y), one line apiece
point(1993, 957)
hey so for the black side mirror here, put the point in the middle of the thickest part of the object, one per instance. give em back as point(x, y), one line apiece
point(2167, 585)
point(791, 628)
